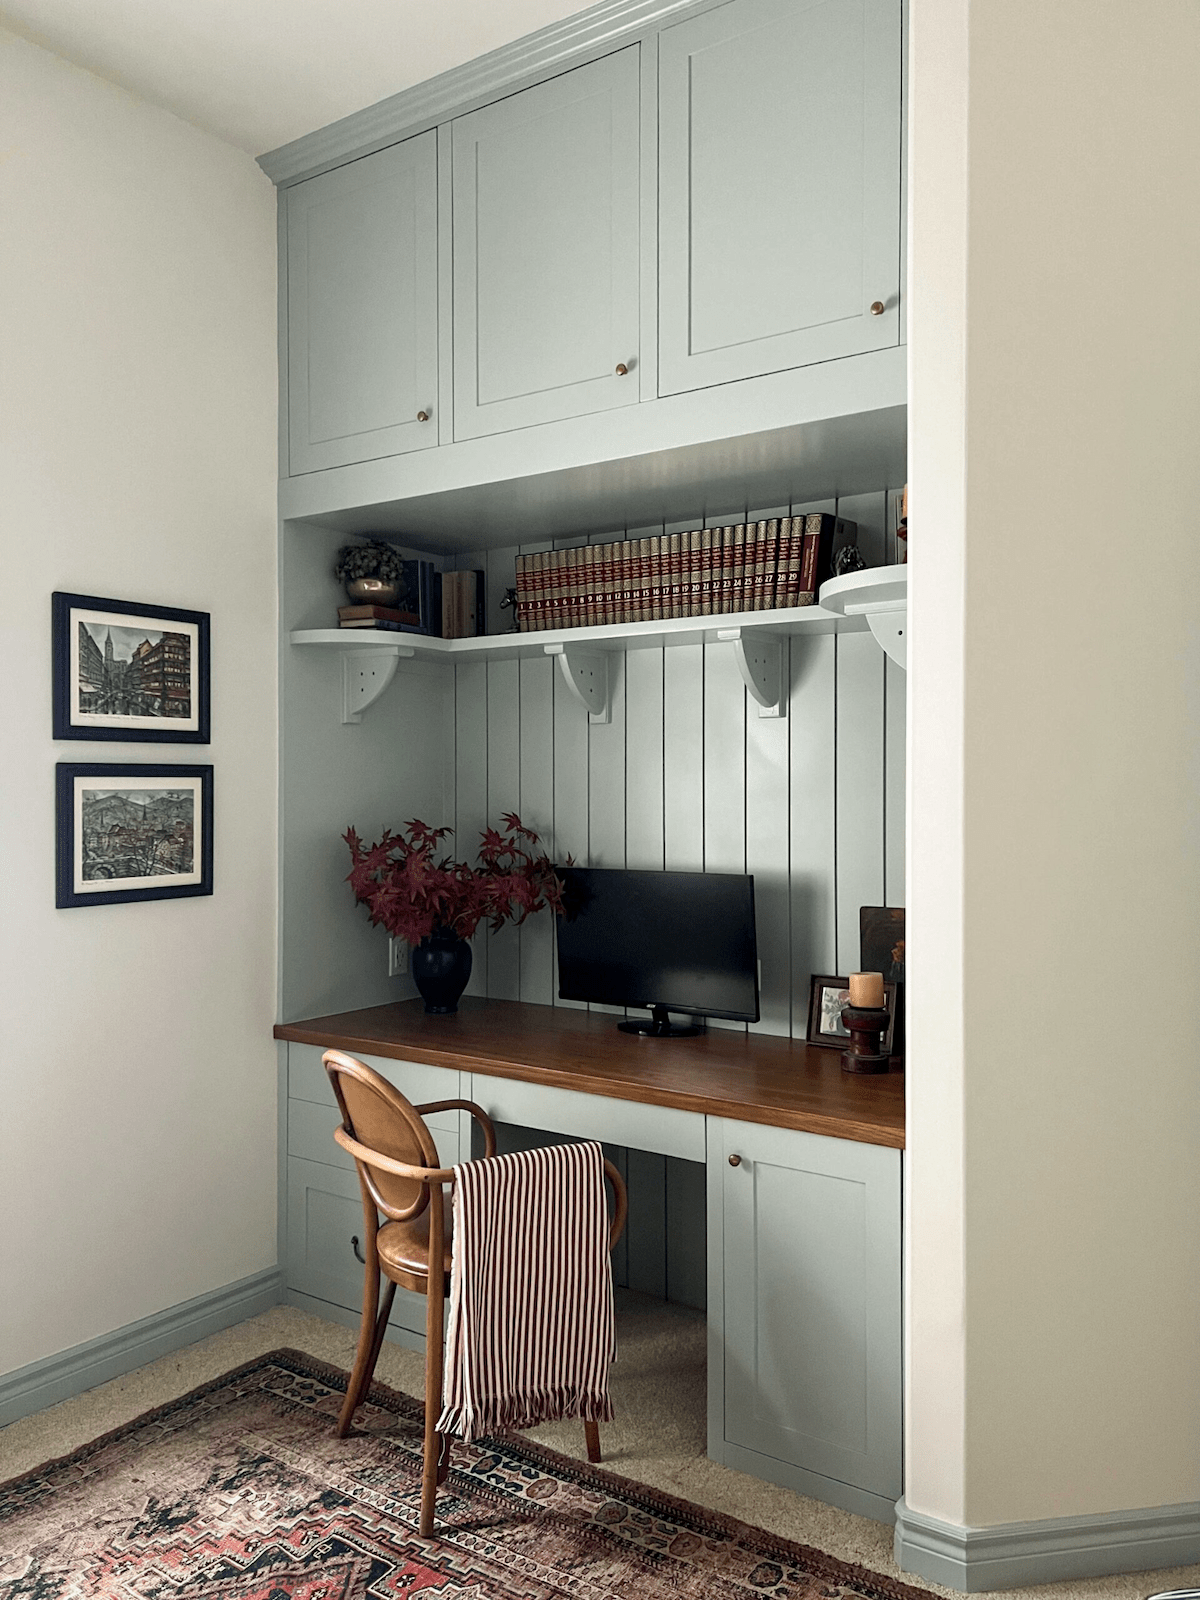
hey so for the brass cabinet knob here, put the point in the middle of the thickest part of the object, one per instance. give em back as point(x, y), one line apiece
point(422, 416)
point(622, 369)
point(735, 1161)
point(877, 308)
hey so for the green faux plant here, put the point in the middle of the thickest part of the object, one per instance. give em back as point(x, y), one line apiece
point(371, 560)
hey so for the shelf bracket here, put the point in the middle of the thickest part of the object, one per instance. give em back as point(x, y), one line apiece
point(586, 675)
point(365, 675)
point(759, 656)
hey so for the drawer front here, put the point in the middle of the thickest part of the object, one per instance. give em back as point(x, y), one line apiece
point(311, 1128)
point(308, 1080)
point(324, 1219)
point(663, 1129)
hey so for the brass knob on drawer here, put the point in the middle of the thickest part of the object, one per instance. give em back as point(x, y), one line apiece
point(735, 1161)
point(877, 308)
point(622, 369)
point(422, 416)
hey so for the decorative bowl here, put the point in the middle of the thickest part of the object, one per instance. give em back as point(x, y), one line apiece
point(372, 592)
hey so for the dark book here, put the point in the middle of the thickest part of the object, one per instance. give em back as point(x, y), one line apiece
point(364, 614)
point(822, 530)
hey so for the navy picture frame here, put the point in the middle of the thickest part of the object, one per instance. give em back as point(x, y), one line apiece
point(164, 775)
point(63, 607)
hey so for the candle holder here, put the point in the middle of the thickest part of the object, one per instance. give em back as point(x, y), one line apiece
point(867, 1025)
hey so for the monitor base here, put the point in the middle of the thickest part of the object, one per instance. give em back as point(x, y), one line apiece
point(660, 1026)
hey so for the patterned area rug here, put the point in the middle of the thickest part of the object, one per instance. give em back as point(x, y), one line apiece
point(239, 1491)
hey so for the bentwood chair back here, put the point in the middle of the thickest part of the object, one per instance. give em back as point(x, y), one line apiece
point(398, 1173)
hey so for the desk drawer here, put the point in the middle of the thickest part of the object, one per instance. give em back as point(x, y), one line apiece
point(324, 1216)
point(310, 1135)
point(308, 1080)
point(663, 1129)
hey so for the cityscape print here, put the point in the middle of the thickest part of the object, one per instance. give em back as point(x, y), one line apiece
point(134, 672)
point(136, 833)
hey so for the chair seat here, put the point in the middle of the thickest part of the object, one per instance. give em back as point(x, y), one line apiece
point(404, 1246)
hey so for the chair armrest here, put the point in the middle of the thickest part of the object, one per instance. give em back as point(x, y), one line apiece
point(479, 1114)
point(621, 1204)
point(402, 1169)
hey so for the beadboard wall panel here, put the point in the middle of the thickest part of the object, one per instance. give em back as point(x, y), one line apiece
point(687, 776)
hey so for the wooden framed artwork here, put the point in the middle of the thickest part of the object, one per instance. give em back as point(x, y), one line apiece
point(881, 941)
point(131, 672)
point(826, 997)
point(132, 831)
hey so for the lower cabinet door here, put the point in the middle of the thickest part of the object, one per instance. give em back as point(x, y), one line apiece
point(808, 1250)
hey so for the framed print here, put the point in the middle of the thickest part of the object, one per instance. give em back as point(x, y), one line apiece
point(129, 672)
point(881, 941)
point(826, 997)
point(128, 831)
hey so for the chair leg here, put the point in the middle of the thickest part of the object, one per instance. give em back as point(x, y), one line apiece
point(370, 1339)
point(433, 1401)
point(591, 1432)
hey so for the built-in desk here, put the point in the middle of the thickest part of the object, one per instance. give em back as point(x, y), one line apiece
point(803, 1193)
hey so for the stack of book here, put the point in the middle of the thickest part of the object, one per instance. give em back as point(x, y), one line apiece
point(747, 566)
point(418, 609)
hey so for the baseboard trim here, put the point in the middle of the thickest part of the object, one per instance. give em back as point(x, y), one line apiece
point(831, 1491)
point(69, 1372)
point(1019, 1554)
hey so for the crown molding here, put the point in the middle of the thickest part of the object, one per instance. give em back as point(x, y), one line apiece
point(554, 48)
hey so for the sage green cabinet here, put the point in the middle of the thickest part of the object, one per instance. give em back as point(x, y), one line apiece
point(362, 320)
point(546, 230)
point(779, 187)
point(805, 1357)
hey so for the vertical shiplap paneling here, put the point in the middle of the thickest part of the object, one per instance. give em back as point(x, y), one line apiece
point(644, 759)
point(812, 724)
point(606, 781)
point(471, 790)
point(860, 748)
point(683, 758)
point(570, 786)
point(724, 769)
point(537, 812)
point(504, 794)
point(767, 847)
point(895, 727)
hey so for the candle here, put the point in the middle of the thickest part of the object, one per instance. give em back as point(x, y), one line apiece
point(866, 989)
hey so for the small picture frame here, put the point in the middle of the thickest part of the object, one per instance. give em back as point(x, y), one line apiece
point(132, 831)
point(131, 672)
point(826, 997)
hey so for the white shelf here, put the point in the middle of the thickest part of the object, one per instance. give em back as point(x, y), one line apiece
point(370, 656)
point(880, 597)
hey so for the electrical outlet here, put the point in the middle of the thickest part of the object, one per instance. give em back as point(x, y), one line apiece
point(397, 957)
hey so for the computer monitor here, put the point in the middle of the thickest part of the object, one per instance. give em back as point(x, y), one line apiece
point(673, 941)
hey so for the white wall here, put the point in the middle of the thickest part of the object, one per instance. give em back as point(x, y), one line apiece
point(137, 420)
point(1054, 1096)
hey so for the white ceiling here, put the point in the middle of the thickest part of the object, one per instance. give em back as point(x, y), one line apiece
point(261, 72)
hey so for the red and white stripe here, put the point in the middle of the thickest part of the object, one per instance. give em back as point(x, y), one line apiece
point(532, 1333)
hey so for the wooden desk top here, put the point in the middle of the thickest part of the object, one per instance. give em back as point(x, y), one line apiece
point(752, 1077)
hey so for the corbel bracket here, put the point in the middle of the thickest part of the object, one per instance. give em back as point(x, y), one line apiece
point(888, 621)
point(759, 656)
point(586, 675)
point(365, 675)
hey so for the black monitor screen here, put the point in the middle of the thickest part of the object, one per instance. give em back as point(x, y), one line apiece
point(679, 940)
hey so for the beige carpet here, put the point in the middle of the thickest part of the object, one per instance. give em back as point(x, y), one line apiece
point(659, 1436)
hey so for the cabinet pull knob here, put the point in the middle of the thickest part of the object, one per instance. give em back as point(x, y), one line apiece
point(423, 416)
point(735, 1161)
point(622, 369)
point(355, 1248)
point(877, 308)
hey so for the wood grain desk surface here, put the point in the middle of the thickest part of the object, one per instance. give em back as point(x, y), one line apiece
point(753, 1077)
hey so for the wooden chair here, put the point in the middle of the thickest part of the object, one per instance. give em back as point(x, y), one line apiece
point(399, 1175)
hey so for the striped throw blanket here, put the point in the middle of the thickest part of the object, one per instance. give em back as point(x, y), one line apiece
point(531, 1333)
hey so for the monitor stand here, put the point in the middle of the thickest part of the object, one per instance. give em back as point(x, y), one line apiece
point(660, 1027)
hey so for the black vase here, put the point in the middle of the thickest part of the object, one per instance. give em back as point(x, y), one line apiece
point(441, 965)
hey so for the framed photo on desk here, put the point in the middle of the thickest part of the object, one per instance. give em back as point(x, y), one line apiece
point(826, 997)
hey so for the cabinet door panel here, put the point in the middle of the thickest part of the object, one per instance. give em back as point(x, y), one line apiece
point(362, 308)
point(546, 250)
point(779, 187)
point(812, 1303)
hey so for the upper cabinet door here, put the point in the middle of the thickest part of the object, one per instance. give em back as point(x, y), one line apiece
point(546, 191)
point(362, 308)
point(779, 209)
